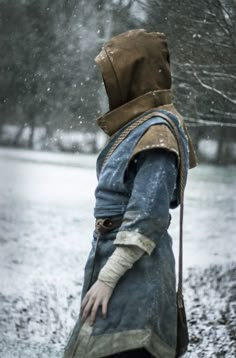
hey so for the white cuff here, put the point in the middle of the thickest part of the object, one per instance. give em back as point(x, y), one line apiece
point(135, 238)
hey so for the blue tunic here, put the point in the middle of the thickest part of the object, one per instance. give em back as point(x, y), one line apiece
point(142, 309)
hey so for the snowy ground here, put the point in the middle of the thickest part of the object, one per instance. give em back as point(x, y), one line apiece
point(46, 227)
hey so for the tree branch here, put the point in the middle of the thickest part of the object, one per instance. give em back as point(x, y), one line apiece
point(231, 100)
point(209, 123)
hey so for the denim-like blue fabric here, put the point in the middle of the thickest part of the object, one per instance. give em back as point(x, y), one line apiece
point(113, 192)
point(145, 297)
point(153, 186)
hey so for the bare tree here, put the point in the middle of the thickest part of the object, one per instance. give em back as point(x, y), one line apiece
point(202, 40)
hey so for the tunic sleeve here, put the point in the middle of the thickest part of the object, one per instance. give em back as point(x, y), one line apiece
point(147, 215)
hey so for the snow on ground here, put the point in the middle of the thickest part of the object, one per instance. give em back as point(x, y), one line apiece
point(46, 228)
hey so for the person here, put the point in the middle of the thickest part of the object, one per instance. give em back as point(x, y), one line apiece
point(128, 303)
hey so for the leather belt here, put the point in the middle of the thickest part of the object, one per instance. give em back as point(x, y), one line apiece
point(105, 225)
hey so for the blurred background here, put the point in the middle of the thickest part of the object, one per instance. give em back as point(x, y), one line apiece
point(51, 90)
point(50, 95)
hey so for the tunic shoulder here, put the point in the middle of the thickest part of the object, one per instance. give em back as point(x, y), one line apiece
point(157, 136)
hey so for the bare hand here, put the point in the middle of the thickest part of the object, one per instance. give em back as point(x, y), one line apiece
point(98, 295)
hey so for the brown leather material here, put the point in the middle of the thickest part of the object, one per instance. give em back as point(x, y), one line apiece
point(105, 225)
point(192, 155)
point(135, 68)
point(134, 63)
point(112, 121)
point(182, 328)
point(157, 136)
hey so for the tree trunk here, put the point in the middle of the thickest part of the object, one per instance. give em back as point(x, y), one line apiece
point(31, 136)
point(15, 141)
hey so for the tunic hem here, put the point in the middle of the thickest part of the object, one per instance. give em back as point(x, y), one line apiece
point(99, 346)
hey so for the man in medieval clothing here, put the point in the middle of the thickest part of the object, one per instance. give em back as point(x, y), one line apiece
point(128, 304)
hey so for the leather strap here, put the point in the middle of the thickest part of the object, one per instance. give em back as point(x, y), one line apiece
point(105, 225)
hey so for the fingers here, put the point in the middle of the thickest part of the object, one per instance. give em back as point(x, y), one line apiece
point(99, 294)
point(104, 309)
point(94, 312)
point(87, 309)
point(93, 305)
point(84, 302)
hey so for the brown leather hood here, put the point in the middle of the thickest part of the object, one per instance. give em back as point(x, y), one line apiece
point(133, 64)
point(136, 72)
